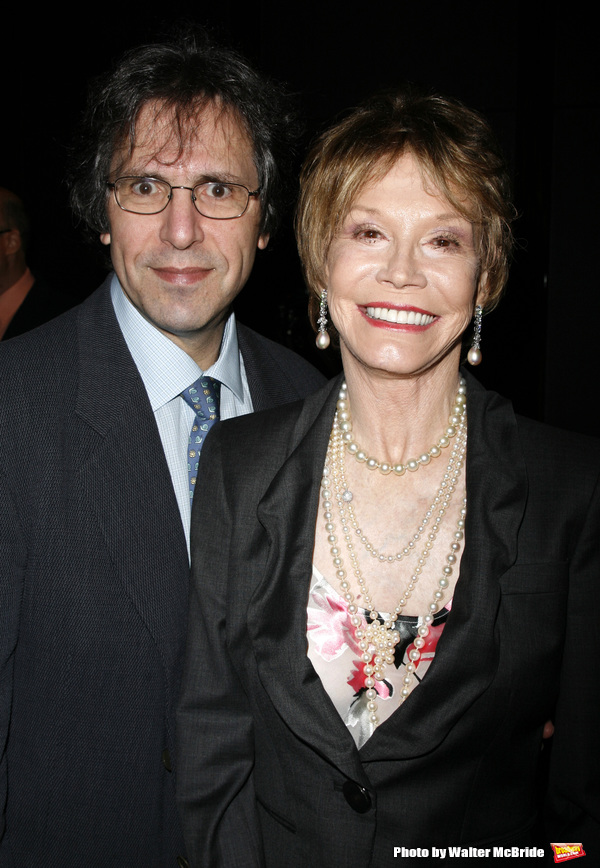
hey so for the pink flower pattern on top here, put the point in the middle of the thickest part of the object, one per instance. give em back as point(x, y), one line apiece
point(329, 627)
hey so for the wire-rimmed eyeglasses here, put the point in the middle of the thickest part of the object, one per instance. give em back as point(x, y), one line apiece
point(218, 200)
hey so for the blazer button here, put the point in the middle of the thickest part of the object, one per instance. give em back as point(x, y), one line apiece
point(357, 797)
point(166, 760)
point(182, 863)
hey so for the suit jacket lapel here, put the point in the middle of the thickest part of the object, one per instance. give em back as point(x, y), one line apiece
point(125, 474)
point(467, 653)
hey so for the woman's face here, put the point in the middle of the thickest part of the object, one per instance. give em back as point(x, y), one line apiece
point(402, 276)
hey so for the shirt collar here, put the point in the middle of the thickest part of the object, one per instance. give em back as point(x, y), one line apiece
point(166, 369)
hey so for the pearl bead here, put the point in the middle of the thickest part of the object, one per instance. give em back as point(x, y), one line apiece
point(323, 340)
point(474, 356)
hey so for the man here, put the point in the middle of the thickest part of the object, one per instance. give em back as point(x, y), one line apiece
point(177, 172)
point(25, 301)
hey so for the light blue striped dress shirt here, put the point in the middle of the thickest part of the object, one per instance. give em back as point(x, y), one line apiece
point(166, 370)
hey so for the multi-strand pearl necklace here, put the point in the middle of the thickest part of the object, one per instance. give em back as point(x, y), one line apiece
point(377, 640)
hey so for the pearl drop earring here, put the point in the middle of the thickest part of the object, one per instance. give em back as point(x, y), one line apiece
point(474, 355)
point(323, 339)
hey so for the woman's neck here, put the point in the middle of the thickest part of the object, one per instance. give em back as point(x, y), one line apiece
point(395, 418)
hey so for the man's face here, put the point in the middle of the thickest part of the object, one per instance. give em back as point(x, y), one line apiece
point(180, 269)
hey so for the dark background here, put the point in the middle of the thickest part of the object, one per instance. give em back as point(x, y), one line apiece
point(531, 71)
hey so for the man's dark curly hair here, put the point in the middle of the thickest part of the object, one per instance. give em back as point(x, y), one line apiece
point(182, 76)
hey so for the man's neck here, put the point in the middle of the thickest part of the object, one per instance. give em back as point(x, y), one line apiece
point(13, 272)
point(203, 348)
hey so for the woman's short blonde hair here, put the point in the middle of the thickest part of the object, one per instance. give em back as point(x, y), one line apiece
point(458, 154)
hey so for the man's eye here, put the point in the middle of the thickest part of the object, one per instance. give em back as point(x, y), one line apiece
point(218, 191)
point(145, 187)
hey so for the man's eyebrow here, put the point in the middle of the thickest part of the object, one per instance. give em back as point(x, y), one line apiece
point(204, 178)
point(224, 177)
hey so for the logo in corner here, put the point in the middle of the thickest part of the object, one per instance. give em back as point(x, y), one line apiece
point(562, 852)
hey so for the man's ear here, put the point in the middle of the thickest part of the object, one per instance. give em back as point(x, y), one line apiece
point(105, 238)
point(11, 241)
point(263, 240)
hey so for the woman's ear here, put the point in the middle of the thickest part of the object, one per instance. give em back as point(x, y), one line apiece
point(482, 289)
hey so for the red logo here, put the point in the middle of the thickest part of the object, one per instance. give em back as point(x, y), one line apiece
point(562, 852)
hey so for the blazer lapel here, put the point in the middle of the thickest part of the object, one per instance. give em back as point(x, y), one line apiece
point(126, 478)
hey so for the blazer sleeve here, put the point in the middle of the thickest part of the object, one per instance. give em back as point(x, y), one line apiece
point(215, 744)
point(574, 775)
point(12, 568)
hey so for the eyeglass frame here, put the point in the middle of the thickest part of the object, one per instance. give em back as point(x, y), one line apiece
point(112, 185)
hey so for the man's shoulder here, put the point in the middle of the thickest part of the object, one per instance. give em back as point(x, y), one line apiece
point(52, 352)
point(40, 348)
point(59, 328)
point(275, 368)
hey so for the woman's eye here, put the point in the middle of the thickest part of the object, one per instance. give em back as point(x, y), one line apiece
point(367, 234)
point(444, 242)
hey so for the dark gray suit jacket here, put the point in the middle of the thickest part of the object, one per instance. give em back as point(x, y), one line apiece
point(93, 594)
point(268, 773)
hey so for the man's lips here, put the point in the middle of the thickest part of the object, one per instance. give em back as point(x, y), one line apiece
point(412, 318)
point(182, 276)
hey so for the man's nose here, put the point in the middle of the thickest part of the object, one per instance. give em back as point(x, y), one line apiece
point(182, 224)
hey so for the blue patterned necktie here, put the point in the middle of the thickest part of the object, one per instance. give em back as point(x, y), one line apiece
point(203, 398)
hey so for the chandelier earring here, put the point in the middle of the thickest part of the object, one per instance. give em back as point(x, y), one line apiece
point(474, 355)
point(323, 339)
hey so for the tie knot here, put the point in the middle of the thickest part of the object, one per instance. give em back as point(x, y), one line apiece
point(203, 398)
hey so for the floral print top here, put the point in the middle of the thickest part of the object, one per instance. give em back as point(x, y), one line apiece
point(335, 655)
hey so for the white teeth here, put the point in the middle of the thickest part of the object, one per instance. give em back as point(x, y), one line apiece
point(403, 317)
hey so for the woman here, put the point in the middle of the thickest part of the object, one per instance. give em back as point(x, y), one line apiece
point(392, 584)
